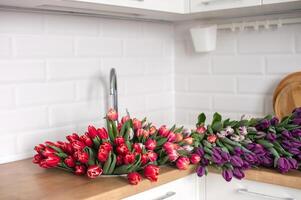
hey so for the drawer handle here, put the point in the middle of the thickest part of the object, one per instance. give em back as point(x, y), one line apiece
point(206, 2)
point(246, 191)
point(165, 196)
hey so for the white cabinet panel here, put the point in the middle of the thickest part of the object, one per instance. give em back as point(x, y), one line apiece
point(175, 6)
point(181, 189)
point(210, 5)
point(277, 1)
point(218, 188)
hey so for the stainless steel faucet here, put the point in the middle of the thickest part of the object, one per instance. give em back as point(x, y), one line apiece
point(113, 89)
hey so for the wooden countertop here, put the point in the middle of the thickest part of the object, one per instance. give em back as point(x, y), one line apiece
point(23, 180)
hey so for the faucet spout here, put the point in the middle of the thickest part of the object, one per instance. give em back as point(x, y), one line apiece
point(113, 89)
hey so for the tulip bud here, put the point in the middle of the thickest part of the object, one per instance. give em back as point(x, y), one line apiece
point(119, 140)
point(119, 160)
point(163, 131)
point(188, 140)
point(72, 138)
point(78, 145)
point(144, 159)
point(201, 170)
point(211, 138)
point(102, 155)
point(171, 137)
point(112, 115)
point(125, 119)
point(102, 133)
point(195, 158)
point(83, 157)
point(168, 147)
point(80, 170)
point(48, 151)
point(129, 158)
point(227, 174)
point(94, 171)
point(150, 144)
point(137, 124)
point(152, 130)
point(173, 155)
point(179, 137)
point(106, 146)
point(92, 132)
point(122, 149)
point(37, 158)
point(87, 140)
point(137, 147)
point(151, 172)
point(50, 161)
point(134, 178)
point(69, 161)
point(183, 163)
point(39, 148)
point(201, 129)
point(152, 156)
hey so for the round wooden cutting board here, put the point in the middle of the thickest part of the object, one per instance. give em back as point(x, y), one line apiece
point(294, 77)
point(288, 99)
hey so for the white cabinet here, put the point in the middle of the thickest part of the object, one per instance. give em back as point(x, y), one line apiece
point(210, 5)
point(218, 188)
point(186, 188)
point(174, 6)
point(277, 1)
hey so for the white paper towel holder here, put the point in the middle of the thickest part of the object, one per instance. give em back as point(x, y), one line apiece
point(204, 38)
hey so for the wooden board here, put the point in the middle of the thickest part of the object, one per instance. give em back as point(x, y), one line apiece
point(288, 99)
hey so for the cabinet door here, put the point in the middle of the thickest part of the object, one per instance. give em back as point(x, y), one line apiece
point(218, 188)
point(181, 189)
point(277, 1)
point(175, 6)
point(210, 5)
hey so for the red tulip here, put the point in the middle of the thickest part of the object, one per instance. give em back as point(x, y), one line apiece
point(201, 129)
point(83, 157)
point(171, 137)
point(163, 131)
point(80, 170)
point(37, 158)
point(144, 159)
point(119, 160)
point(179, 137)
point(102, 133)
point(152, 156)
point(129, 158)
point(94, 171)
point(50, 161)
point(125, 119)
point(188, 140)
point(78, 145)
point(102, 155)
point(39, 148)
point(137, 124)
point(66, 147)
point(173, 155)
point(134, 178)
point(152, 130)
point(140, 132)
point(122, 149)
point(151, 172)
point(48, 143)
point(195, 158)
point(87, 140)
point(137, 147)
point(119, 140)
point(48, 151)
point(183, 163)
point(69, 161)
point(150, 144)
point(168, 147)
point(112, 115)
point(211, 138)
point(72, 138)
point(106, 146)
point(92, 132)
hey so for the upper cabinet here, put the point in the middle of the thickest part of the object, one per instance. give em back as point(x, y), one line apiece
point(211, 5)
point(277, 1)
point(174, 6)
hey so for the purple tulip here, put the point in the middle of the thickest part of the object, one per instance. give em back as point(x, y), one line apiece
point(250, 158)
point(294, 151)
point(205, 161)
point(286, 144)
point(283, 165)
point(293, 163)
point(227, 174)
point(200, 171)
point(263, 125)
point(286, 134)
point(296, 144)
point(271, 137)
point(297, 112)
point(274, 121)
point(217, 158)
point(200, 152)
point(266, 161)
point(296, 132)
point(225, 156)
point(299, 157)
point(238, 173)
point(246, 165)
point(236, 161)
point(238, 151)
point(297, 121)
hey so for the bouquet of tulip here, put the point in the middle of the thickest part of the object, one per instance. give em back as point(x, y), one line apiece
point(129, 147)
point(234, 146)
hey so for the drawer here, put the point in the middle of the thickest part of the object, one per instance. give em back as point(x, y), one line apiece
point(247, 190)
point(184, 188)
point(211, 5)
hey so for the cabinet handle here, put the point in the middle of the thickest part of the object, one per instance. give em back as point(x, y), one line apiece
point(165, 196)
point(246, 191)
point(206, 2)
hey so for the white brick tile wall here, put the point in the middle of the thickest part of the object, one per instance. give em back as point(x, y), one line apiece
point(196, 101)
point(22, 70)
point(283, 64)
point(151, 47)
point(113, 28)
point(5, 47)
point(7, 99)
point(212, 84)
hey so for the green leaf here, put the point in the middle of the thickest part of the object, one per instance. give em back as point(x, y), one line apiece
point(217, 126)
point(265, 143)
point(216, 118)
point(122, 169)
point(110, 131)
point(91, 155)
point(115, 130)
point(201, 119)
point(161, 141)
point(113, 164)
point(55, 148)
point(107, 164)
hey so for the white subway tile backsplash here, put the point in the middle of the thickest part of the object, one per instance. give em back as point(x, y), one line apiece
point(97, 46)
point(94, 89)
point(22, 70)
point(193, 64)
point(152, 48)
point(121, 28)
point(125, 66)
point(193, 101)
point(159, 101)
point(212, 84)
point(283, 64)
point(43, 46)
point(238, 65)
point(5, 46)
point(7, 99)
point(23, 119)
point(226, 43)
point(45, 93)
point(258, 85)
point(61, 69)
